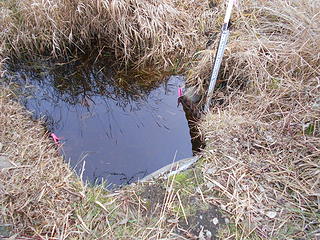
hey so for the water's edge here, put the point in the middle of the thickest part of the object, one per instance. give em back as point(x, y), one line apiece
point(171, 169)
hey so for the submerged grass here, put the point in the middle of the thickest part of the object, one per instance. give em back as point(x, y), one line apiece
point(262, 157)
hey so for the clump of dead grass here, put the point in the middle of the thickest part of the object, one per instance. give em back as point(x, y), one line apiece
point(265, 166)
point(136, 32)
point(266, 175)
point(38, 191)
point(269, 40)
point(263, 143)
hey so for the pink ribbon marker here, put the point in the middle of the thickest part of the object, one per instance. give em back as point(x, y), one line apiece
point(55, 138)
point(180, 93)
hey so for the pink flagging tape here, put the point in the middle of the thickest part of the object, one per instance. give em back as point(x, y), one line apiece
point(55, 138)
point(180, 93)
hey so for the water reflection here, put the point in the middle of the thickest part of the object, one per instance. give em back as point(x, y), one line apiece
point(117, 127)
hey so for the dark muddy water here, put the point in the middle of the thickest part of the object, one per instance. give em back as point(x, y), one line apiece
point(113, 127)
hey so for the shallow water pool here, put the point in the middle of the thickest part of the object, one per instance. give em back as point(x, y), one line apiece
point(112, 128)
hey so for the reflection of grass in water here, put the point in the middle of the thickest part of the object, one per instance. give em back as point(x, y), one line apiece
point(78, 82)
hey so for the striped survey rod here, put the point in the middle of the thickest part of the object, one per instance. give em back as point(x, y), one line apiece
point(219, 54)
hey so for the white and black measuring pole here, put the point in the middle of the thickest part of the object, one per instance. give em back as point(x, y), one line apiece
point(219, 54)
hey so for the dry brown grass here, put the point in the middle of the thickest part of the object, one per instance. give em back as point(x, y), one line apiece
point(263, 142)
point(140, 32)
point(38, 191)
point(269, 39)
point(262, 156)
point(266, 162)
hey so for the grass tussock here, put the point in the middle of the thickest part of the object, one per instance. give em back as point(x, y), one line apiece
point(37, 192)
point(269, 40)
point(263, 140)
point(266, 173)
point(136, 32)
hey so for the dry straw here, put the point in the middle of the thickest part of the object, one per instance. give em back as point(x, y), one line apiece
point(262, 156)
point(269, 39)
point(37, 192)
point(140, 32)
point(263, 140)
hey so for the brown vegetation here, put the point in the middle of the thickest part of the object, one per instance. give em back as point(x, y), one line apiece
point(136, 32)
point(38, 191)
point(270, 41)
point(263, 140)
point(262, 156)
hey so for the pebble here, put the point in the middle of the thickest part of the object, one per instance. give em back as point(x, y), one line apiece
point(215, 221)
point(210, 185)
point(1, 146)
point(211, 170)
point(174, 221)
point(208, 234)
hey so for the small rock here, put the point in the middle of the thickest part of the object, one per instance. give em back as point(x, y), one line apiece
point(261, 188)
point(198, 190)
point(211, 170)
point(270, 139)
point(208, 234)
point(1, 146)
point(223, 207)
point(4, 162)
point(201, 235)
point(205, 234)
point(271, 214)
point(169, 189)
point(215, 221)
point(220, 95)
point(306, 125)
